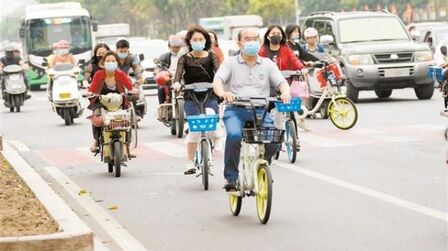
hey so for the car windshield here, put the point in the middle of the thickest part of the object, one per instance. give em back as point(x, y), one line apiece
point(371, 29)
point(44, 32)
point(149, 48)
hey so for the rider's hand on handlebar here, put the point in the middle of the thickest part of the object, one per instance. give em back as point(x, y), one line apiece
point(176, 86)
point(140, 81)
point(285, 97)
point(228, 96)
point(134, 91)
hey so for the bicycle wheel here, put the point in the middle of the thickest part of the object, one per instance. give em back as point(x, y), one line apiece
point(205, 155)
point(235, 203)
point(180, 118)
point(264, 193)
point(291, 140)
point(343, 113)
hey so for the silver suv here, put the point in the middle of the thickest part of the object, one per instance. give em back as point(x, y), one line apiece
point(376, 52)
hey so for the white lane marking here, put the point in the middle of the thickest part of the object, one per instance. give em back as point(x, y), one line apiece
point(322, 141)
point(176, 150)
point(98, 245)
point(19, 146)
point(118, 233)
point(369, 192)
point(385, 136)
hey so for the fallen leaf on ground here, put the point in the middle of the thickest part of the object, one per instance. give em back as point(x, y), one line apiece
point(82, 192)
point(113, 207)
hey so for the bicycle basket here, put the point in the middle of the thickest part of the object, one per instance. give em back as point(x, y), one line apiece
point(263, 135)
point(294, 106)
point(202, 123)
point(435, 73)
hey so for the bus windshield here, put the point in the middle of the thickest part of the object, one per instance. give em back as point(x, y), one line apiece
point(42, 33)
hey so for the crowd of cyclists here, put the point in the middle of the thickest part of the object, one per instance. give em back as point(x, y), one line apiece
point(195, 56)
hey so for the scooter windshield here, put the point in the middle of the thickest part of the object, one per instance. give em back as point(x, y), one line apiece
point(14, 68)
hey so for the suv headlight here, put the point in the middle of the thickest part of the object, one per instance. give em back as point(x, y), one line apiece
point(361, 59)
point(423, 56)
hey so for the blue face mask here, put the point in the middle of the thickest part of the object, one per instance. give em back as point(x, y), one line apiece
point(122, 55)
point(110, 66)
point(198, 46)
point(251, 48)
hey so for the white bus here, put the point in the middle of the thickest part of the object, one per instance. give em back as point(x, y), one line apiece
point(45, 24)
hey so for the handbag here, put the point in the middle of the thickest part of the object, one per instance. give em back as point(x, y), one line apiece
point(299, 89)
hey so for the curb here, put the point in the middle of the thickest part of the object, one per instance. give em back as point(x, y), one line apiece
point(73, 235)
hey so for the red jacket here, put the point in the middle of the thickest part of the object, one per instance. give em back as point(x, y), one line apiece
point(286, 59)
point(121, 79)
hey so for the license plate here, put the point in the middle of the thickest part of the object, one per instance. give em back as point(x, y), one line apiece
point(399, 72)
point(65, 95)
point(14, 77)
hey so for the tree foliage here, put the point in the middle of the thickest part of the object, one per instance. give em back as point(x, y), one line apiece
point(159, 18)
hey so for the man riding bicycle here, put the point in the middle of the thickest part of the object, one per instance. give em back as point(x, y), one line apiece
point(246, 75)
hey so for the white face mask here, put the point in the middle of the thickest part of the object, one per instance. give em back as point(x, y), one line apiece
point(62, 52)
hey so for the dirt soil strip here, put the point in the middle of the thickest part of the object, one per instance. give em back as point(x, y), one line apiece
point(21, 213)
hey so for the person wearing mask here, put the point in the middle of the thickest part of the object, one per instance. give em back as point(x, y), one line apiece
point(128, 61)
point(275, 48)
point(215, 46)
point(107, 80)
point(246, 75)
point(168, 61)
point(62, 54)
point(12, 58)
point(293, 36)
point(312, 41)
point(96, 63)
point(198, 65)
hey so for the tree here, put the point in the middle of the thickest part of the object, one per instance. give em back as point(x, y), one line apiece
point(273, 11)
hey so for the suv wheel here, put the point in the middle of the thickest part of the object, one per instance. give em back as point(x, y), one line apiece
point(383, 93)
point(424, 91)
point(352, 92)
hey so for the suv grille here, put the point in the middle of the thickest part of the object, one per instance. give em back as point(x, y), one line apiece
point(404, 57)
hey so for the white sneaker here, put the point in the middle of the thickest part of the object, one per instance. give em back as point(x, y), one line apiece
point(218, 145)
point(444, 113)
point(191, 169)
point(301, 124)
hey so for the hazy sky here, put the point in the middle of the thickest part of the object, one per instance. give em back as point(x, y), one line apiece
point(8, 6)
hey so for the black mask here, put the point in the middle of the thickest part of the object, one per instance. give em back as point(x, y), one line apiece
point(444, 50)
point(276, 39)
point(99, 58)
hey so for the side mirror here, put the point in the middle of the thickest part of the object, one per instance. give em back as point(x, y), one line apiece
point(415, 35)
point(444, 51)
point(82, 61)
point(45, 62)
point(141, 56)
point(326, 40)
point(95, 26)
point(22, 32)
